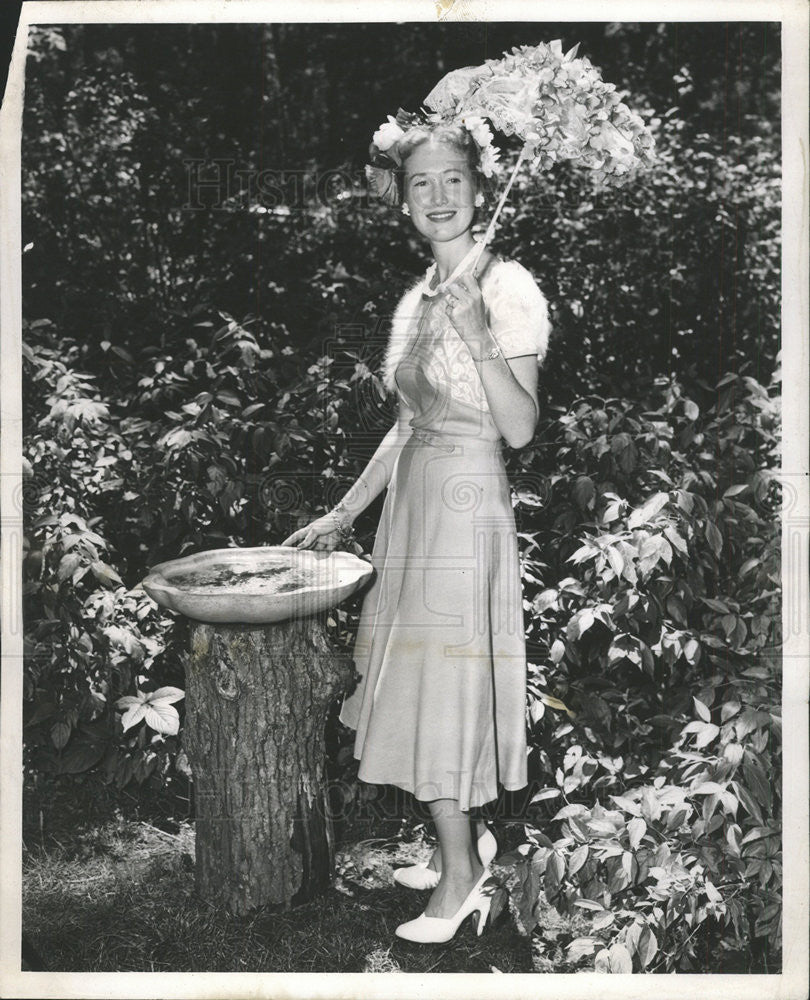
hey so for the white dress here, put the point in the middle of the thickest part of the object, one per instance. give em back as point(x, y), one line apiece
point(440, 707)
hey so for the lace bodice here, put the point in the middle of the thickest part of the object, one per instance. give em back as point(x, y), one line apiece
point(517, 315)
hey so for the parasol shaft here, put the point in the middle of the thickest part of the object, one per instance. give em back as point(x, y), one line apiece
point(497, 212)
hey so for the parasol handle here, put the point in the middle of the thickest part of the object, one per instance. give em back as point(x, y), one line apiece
point(494, 219)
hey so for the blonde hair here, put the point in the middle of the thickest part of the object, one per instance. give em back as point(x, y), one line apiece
point(450, 134)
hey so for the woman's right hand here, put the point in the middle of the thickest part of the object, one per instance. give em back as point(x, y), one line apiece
point(319, 534)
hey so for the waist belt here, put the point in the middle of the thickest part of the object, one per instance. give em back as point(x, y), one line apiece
point(450, 444)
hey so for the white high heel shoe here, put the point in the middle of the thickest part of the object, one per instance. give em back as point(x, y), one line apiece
point(421, 877)
point(437, 930)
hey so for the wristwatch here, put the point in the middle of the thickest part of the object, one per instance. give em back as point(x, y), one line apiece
point(494, 353)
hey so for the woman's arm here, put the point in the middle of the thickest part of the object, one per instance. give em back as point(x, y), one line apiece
point(377, 474)
point(325, 532)
point(510, 384)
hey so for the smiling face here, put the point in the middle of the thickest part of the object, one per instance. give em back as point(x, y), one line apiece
point(440, 188)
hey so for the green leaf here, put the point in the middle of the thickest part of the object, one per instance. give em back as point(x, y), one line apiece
point(162, 717)
point(677, 609)
point(80, 757)
point(729, 709)
point(647, 511)
point(250, 410)
point(733, 838)
point(618, 878)
point(716, 605)
point(536, 710)
point(546, 793)
point(555, 869)
point(686, 501)
point(636, 829)
point(67, 565)
point(44, 710)
point(588, 904)
point(676, 540)
point(584, 492)
point(603, 920)
point(580, 947)
point(499, 899)
point(557, 704)
point(632, 935)
point(702, 710)
point(628, 805)
point(620, 960)
point(675, 819)
point(615, 559)
point(578, 859)
point(647, 946)
point(60, 734)
point(166, 694)
point(105, 574)
point(747, 799)
point(708, 788)
point(713, 537)
point(527, 901)
point(133, 715)
point(759, 833)
point(707, 734)
point(691, 651)
point(544, 600)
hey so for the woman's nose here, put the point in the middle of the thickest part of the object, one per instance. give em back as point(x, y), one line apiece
point(440, 194)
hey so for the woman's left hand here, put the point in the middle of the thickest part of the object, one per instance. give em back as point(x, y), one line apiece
point(465, 309)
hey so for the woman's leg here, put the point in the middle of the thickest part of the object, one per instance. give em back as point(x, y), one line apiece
point(460, 865)
point(478, 826)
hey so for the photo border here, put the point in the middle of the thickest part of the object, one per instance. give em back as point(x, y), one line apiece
point(793, 981)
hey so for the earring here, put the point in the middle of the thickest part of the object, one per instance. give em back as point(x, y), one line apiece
point(405, 209)
point(479, 199)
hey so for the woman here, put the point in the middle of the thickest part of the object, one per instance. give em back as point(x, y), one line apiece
point(440, 706)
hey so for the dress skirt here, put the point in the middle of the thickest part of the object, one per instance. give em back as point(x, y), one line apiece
point(440, 706)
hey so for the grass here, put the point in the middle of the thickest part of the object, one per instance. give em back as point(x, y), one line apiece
point(111, 889)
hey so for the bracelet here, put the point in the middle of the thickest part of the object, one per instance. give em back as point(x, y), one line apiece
point(346, 533)
point(494, 353)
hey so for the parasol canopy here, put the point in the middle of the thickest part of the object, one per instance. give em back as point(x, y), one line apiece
point(556, 102)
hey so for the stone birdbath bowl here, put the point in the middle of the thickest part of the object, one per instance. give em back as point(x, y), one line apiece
point(256, 586)
point(262, 673)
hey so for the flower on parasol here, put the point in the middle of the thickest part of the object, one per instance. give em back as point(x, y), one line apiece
point(556, 102)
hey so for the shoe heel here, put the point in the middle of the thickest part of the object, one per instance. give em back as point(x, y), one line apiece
point(487, 847)
point(483, 913)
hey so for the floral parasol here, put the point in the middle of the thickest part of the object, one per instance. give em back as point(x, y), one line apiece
point(555, 102)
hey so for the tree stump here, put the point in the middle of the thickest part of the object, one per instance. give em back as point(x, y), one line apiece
point(257, 698)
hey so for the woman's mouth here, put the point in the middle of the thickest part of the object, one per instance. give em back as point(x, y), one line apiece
point(440, 216)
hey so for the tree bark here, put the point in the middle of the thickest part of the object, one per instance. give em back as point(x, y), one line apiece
point(256, 704)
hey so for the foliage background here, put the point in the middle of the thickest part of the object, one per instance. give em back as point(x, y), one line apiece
point(206, 292)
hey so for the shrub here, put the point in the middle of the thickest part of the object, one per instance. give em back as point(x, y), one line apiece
point(89, 639)
point(660, 644)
